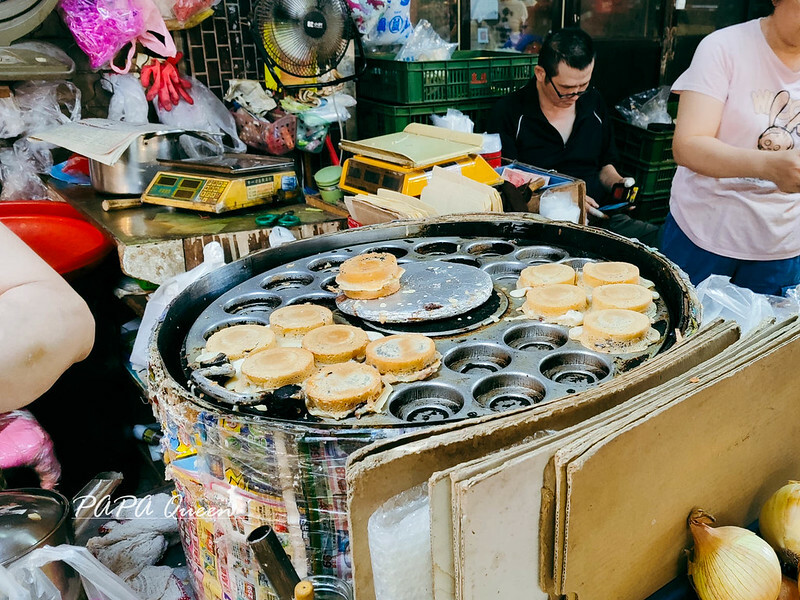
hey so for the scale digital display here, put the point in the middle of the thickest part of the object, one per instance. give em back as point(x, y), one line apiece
point(188, 188)
point(367, 177)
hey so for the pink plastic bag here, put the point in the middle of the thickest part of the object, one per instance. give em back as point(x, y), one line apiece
point(101, 27)
point(24, 443)
point(104, 27)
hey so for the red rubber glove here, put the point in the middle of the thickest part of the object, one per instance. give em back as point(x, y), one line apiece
point(165, 82)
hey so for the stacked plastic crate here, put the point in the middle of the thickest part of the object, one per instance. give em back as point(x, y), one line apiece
point(392, 94)
point(646, 156)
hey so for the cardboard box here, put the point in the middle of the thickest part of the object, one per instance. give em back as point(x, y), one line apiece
point(382, 470)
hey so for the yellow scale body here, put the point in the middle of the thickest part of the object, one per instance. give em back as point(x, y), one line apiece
point(362, 174)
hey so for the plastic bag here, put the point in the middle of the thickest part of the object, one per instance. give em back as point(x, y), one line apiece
point(207, 114)
point(213, 258)
point(425, 44)
point(277, 137)
point(333, 108)
point(646, 107)
point(12, 121)
point(127, 101)
point(47, 49)
point(25, 443)
point(18, 168)
point(311, 132)
point(45, 104)
point(455, 120)
point(24, 579)
point(366, 13)
point(393, 26)
point(101, 28)
point(721, 298)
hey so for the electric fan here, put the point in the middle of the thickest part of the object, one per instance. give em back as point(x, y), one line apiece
point(304, 38)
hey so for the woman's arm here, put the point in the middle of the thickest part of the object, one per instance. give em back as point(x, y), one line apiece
point(696, 146)
point(45, 326)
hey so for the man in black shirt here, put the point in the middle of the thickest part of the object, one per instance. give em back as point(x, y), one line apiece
point(558, 121)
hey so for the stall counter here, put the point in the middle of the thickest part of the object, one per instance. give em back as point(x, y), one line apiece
point(157, 242)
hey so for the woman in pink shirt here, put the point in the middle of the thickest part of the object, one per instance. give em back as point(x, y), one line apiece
point(735, 203)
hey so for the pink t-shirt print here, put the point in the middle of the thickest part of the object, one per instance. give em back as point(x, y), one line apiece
point(779, 137)
point(737, 217)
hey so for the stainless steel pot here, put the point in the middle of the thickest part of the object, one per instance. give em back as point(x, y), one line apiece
point(30, 519)
point(138, 165)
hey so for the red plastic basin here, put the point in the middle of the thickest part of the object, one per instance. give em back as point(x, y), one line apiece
point(56, 232)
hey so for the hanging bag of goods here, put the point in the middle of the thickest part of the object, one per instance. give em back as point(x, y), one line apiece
point(102, 28)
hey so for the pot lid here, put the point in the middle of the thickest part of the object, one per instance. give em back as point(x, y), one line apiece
point(27, 517)
point(328, 175)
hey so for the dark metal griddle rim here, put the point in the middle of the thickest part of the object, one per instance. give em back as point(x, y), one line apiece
point(579, 241)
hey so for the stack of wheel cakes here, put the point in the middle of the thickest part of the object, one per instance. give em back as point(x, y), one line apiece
point(608, 306)
point(341, 369)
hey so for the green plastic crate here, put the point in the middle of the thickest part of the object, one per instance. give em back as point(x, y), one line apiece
point(469, 74)
point(652, 212)
point(379, 118)
point(652, 179)
point(637, 144)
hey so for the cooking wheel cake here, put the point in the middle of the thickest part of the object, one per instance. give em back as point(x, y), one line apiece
point(538, 275)
point(336, 343)
point(298, 319)
point(369, 276)
point(614, 328)
point(277, 367)
point(404, 357)
point(337, 390)
point(621, 295)
point(554, 300)
point(238, 341)
point(603, 273)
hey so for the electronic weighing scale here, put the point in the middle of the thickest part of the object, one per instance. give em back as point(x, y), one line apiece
point(403, 161)
point(219, 184)
point(366, 174)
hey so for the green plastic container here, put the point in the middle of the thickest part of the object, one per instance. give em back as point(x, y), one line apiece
point(379, 118)
point(328, 183)
point(643, 145)
point(469, 74)
point(652, 179)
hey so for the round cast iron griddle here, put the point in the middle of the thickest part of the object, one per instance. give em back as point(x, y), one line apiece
point(428, 291)
point(56, 232)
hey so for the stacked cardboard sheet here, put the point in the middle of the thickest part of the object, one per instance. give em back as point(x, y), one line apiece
point(385, 206)
point(592, 492)
point(486, 481)
point(452, 193)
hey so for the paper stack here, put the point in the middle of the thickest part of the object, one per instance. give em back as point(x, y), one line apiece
point(385, 206)
point(103, 140)
point(451, 193)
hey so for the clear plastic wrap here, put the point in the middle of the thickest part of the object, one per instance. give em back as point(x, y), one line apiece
point(425, 44)
point(646, 107)
point(235, 472)
point(721, 298)
point(18, 174)
point(24, 580)
point(127, 101)
point(454, 119)
point(207, 114)
point(400, 546)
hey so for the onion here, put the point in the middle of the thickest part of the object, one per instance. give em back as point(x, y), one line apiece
point(779, 524)
point(731, 563)
point(789, 590)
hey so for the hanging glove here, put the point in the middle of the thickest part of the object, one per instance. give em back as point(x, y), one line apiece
point(165, 82)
